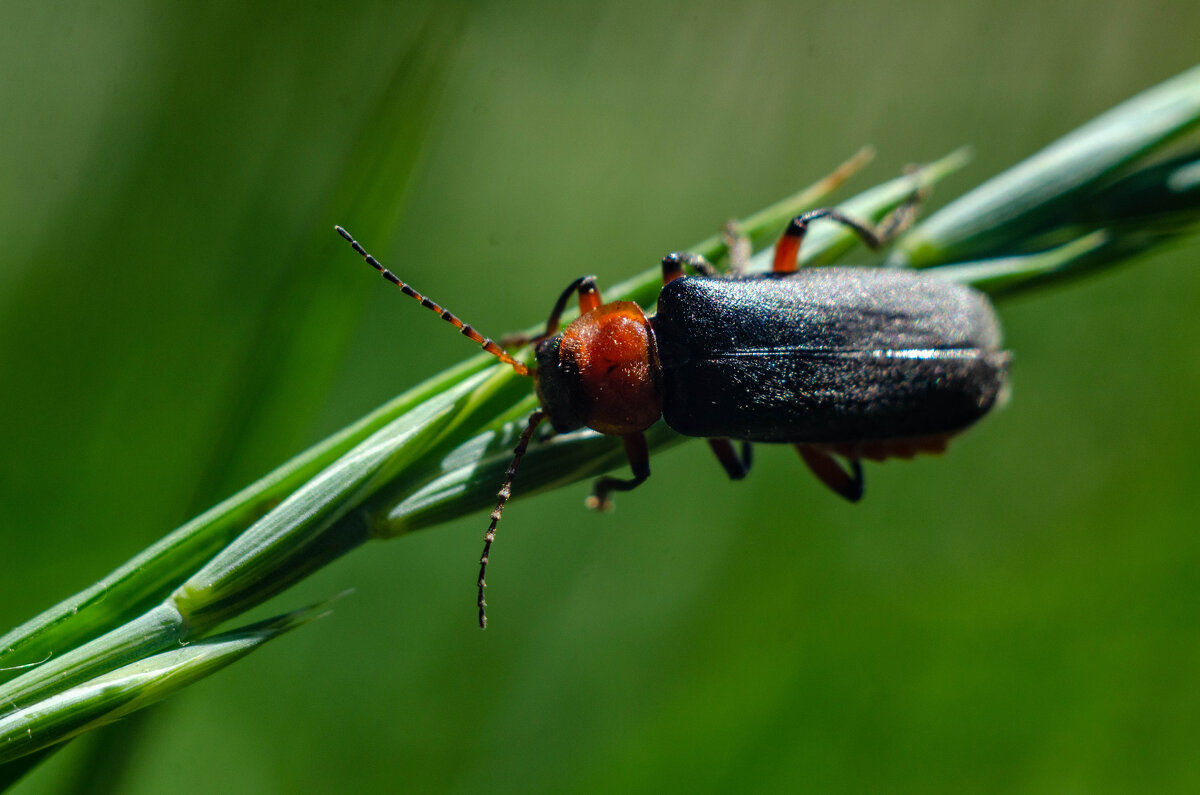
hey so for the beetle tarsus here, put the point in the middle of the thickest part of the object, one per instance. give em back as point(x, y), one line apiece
point(599, 499)
point(900, 219)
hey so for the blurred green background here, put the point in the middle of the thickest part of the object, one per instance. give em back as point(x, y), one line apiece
point(177, 317)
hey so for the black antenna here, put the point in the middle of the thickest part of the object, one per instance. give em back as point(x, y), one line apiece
point(504, 493)
point(446, 315)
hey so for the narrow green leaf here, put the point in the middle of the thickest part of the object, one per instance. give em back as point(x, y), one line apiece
point(157, 629)
point(83, 707)
point(1037, 192)
point(1158, 191)
point(1004, 274)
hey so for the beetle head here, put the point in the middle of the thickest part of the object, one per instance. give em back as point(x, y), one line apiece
point(602, 372)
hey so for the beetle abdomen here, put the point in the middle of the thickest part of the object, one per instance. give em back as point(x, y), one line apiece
point(827, 355)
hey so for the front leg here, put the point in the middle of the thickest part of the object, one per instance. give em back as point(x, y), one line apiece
point(589, 298)
point(639, 461)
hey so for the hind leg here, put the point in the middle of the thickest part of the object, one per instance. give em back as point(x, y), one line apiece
point(848, 485)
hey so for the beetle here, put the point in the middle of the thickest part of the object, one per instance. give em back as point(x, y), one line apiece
point(849, 362)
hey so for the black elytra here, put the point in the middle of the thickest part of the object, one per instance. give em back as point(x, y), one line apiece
point(826, 355)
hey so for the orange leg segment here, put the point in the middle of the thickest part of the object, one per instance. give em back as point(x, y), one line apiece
point(787, 250)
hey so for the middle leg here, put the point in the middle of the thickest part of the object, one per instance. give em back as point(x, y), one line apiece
point(735, 466)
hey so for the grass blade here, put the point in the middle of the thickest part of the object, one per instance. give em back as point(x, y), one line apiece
point(1046, 188)
point(107, 698)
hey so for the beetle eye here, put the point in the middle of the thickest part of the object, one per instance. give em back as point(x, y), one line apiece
point(557, 386)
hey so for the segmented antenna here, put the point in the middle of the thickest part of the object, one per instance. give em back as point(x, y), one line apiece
point(504, 493)
point(445, 314)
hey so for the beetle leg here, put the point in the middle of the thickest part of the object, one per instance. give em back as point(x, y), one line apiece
point(847, 484)
point(739, 246)
point(673, 264)
point(639, 461)
point(735, 466)
point(900, 219)
point(589, 298)
point(787, 250)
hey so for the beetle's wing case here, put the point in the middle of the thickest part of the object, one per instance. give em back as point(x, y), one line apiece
point(827, 355)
